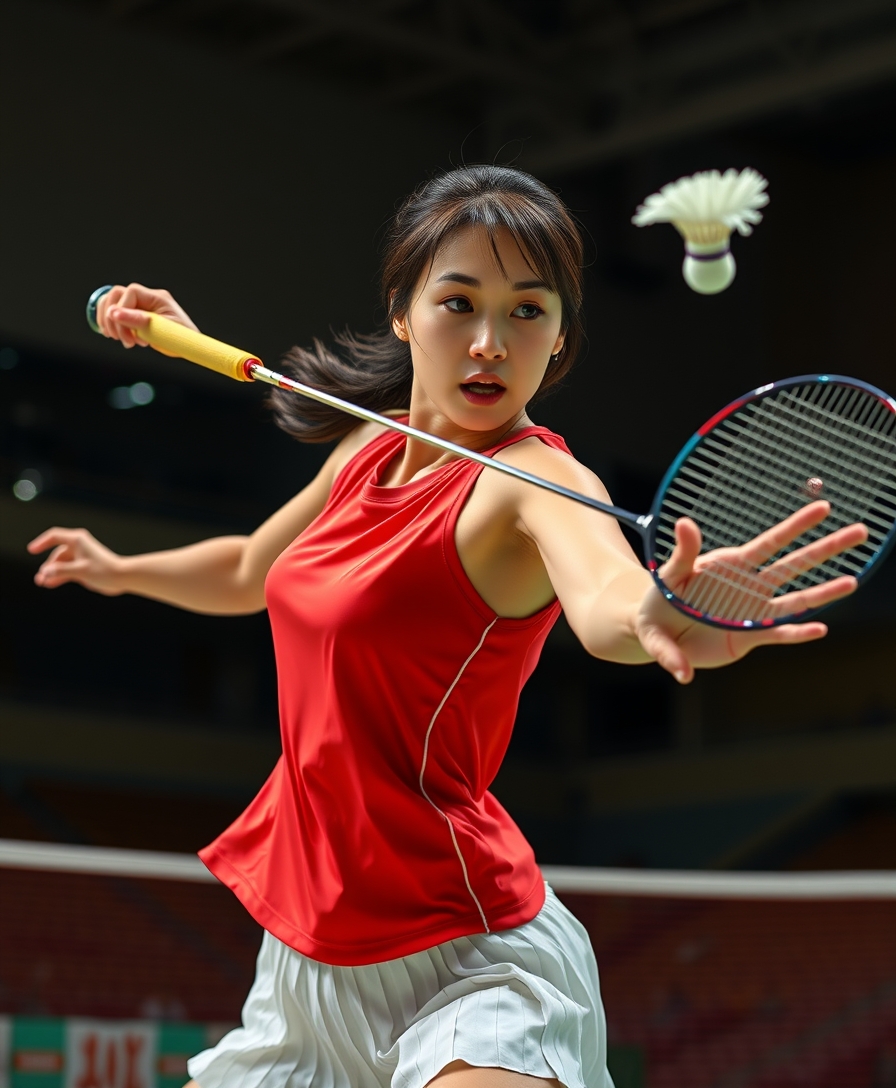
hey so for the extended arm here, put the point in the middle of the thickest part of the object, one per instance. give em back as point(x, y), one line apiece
point(224, 575)
point(611, 602)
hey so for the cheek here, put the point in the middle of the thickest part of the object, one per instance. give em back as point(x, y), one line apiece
point(428, 330)
point(438, 346)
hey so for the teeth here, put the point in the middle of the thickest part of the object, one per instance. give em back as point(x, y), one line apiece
point(483, 387)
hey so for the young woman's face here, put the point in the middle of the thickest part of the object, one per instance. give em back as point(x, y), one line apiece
point(481, 336)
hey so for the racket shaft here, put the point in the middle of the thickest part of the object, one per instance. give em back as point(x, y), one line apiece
point(271, 377)
point(175, 339)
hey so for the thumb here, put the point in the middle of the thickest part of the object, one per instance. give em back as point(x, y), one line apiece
point(680, 564)
point(666, 652)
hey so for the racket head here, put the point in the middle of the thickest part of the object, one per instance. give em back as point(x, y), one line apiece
point(759, 460)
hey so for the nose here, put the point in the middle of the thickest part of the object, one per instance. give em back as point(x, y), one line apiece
point(488, 343)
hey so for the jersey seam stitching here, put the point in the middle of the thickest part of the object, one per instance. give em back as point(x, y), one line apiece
point(444, 815)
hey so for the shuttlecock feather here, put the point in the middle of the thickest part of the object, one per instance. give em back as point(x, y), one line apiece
point(705, 209)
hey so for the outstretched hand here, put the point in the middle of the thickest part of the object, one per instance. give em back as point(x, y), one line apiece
point(681, 645)
point(122, 312)
point(77, 556)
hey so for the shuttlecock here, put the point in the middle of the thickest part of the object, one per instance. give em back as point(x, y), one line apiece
point(705, 209)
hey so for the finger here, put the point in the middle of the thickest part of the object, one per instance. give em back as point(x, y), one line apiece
point(116, 330)
point(155, 300)
point(106, 301)
point(132, 319)
point(58, 574)
point(54, 562)
point(129, 301)
point(58, 560)
point(129, 295)
point(128, 321)
point(62, 552)
point(816, 553)
point(126, 318)
point(49, 538)
point(761, 548)
point(802, 600)
point(789, 634)
point(680, 564)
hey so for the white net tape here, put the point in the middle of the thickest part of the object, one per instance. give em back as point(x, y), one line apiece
point(149, 864)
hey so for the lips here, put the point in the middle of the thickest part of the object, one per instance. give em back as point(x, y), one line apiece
point(483, 389)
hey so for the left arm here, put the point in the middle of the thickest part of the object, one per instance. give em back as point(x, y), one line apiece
point(595, 574)
point(610, 600)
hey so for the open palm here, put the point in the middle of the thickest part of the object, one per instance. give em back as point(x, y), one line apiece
point(734, 583)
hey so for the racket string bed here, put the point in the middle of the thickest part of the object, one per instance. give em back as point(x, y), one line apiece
point(739, 526)
point(849, 477)
point(762, 465)
point(767, 442)
point(851, 443)
point(770, 440)
point(745, 475)
point(807, 575)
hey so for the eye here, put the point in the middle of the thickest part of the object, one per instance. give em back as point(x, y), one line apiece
point(528, 310)
point(458, 305)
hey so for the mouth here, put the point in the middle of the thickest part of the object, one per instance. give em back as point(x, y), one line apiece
point(480, 392)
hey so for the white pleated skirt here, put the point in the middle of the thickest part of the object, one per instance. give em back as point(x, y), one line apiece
point(525, 999)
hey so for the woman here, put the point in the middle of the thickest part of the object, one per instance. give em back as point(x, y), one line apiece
point(409, 937)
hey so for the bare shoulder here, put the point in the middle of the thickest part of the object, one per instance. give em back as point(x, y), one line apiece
point(533, 455)
point(563, 530)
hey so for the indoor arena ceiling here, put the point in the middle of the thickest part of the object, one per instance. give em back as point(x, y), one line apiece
point(582, 81)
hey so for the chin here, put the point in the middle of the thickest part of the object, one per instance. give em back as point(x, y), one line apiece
point(484, 419)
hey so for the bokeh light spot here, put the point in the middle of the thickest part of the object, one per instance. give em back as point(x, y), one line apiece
point(142, 393)
point(28, 485)
point(132, 396)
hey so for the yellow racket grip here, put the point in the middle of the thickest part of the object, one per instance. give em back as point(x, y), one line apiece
point(173, 339)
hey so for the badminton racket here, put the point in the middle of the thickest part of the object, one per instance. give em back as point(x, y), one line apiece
point(745, 477)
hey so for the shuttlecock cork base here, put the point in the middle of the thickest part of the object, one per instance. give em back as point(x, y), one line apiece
point(705, 209)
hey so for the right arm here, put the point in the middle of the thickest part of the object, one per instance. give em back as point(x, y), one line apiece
point(223, 576)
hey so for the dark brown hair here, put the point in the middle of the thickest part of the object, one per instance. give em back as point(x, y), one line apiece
point(374, 370)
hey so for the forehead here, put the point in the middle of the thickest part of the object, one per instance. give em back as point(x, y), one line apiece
point(483, 254)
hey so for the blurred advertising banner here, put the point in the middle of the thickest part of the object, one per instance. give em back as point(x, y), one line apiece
point(44, 1052)
point(106, 1054)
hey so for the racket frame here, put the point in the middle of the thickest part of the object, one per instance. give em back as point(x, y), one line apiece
point(651, 523)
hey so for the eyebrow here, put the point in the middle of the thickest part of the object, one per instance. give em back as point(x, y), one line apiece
point(471, 281)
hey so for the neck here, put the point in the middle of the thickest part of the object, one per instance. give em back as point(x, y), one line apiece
point(418, 458)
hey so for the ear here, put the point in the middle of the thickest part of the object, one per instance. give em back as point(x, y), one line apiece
point(399, 327)
point(558, 346)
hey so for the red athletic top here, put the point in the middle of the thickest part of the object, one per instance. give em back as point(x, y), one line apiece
point(375, 836)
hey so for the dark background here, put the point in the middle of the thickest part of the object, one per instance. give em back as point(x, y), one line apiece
point(246, 156)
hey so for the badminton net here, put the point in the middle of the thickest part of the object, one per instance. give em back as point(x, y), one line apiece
point(115, 965)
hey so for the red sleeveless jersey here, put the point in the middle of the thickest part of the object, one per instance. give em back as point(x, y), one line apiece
point(375, 836)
